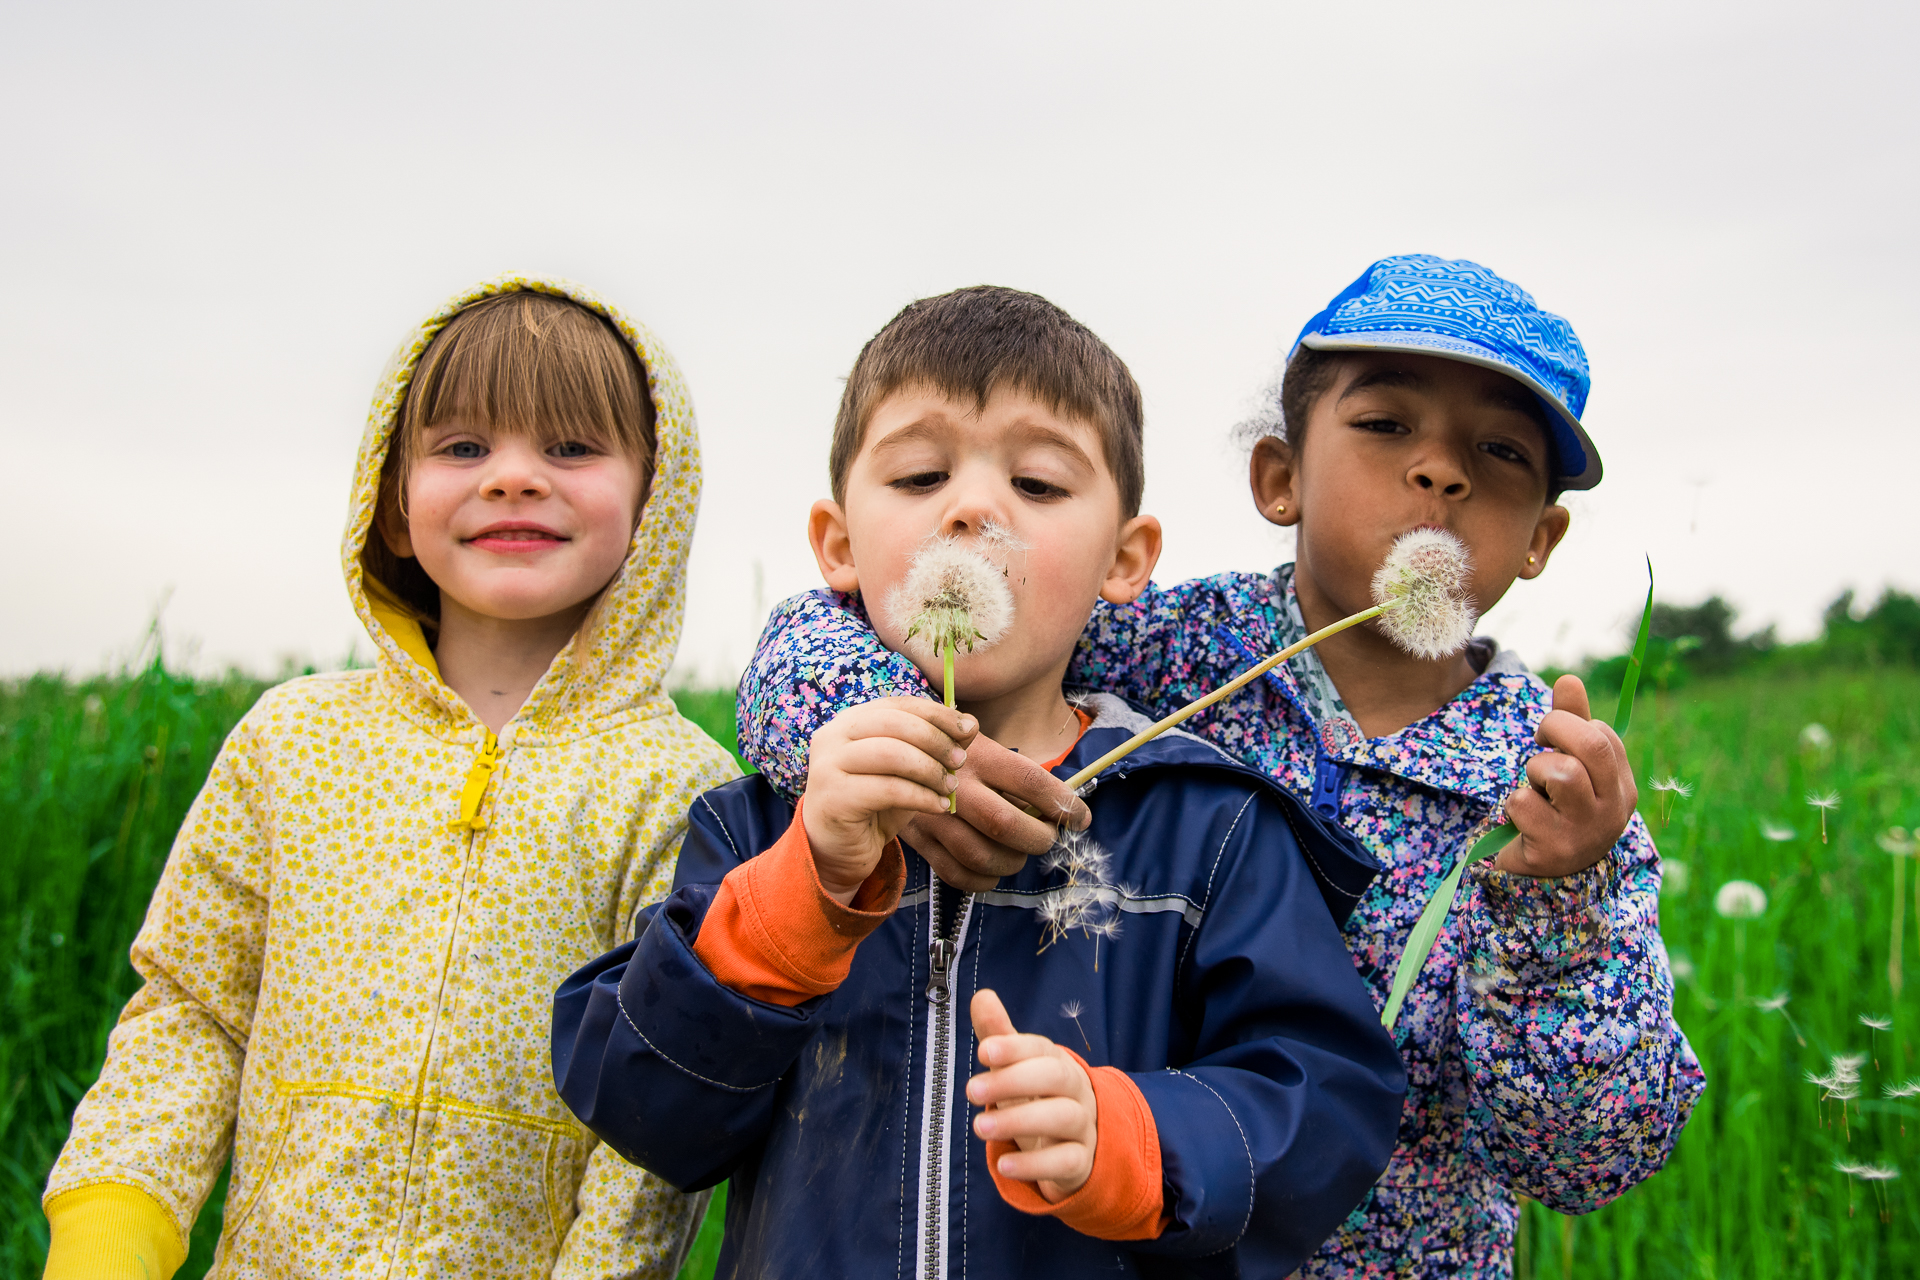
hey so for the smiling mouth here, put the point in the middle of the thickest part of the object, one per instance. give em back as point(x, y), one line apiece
point(520, 538)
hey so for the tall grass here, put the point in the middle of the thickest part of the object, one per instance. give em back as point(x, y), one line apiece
point(96, 775)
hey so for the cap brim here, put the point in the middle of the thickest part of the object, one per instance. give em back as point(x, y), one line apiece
point(1571, 437)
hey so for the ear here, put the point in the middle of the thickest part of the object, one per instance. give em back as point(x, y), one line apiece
point(1275, 480)
point(1134, 556)
point(832, 548)
point(1552, 526)
point(393, 530)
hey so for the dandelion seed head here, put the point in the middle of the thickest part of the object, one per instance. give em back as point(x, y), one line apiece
point(1867, 1172)
point(1682, 789)
point(1846, 1066)
point(1896, 841)
point(1775, 832)
point(1815, 737)
point(953, 597)
point(1878, 1024)
point(997, 538)
point(1675, 876)
point(1824, 799)
point(1740, 900)
point(1835, 1086)
point(1906, 1089)
point(1071, 1009)
point(1423, 586)
point(1681, 966)
point(1773, 1003)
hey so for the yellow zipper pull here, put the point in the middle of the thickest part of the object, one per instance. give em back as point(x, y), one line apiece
point(477, 779)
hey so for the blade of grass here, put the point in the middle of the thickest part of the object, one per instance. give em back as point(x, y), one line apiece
point(1623, 714)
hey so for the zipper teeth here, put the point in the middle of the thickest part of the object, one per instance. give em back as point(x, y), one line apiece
point(938, 1103)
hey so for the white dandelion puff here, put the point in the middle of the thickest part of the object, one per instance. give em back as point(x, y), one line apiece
point(996, 537)
point(1775, 832)
point(952, 598)
point(1681, 966)
point(1071, 1009)
point(1847, 1065)
point(1824, 801)
point(1897, 841)
point(1740, 900)
point(1835, 1087)
point(1815, 737)
point(1682, 789)
point(1906, 1089)
point(1773, 1003)
point(1878, 1024)
point(1675, 876)
point(1867, 1172)
point(1423, 588)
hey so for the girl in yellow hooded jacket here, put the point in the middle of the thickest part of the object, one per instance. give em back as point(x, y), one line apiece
point(350, 960)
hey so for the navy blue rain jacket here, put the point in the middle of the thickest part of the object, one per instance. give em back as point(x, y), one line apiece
point(1227, 994)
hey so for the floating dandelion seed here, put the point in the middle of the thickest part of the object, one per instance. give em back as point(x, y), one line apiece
point(1669, 787)
point(1775, 832)
point(1906, 1089)
point(1089, 901)
point(1071, 1009)
point(1823, 801)
point(1423, 588)
point(1816, 738)
point(1878, 1024)
point(1777, 1003)
point(1740, 900)
point(1867, 1172)
point(1675, 876)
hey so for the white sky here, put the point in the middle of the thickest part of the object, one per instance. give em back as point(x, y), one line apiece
point(215, 222)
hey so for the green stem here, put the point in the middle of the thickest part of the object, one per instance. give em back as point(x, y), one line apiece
point(1232, 686)
point(946, 663)
point(1895, 978)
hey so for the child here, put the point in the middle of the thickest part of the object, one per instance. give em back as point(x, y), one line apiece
point(349, 958)
point(1541, 1050)
point(1184, 1075)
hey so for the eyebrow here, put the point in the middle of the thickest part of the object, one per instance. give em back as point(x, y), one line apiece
point(1024, 433)
point(1506, 394)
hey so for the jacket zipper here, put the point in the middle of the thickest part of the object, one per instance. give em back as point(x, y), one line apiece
point(942, 950)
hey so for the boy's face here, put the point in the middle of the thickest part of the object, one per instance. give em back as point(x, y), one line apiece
point(510, 528)
point(930, 464)
point(1401, 441)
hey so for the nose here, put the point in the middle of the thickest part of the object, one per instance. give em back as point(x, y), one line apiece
point(515, 469)
point(1437, 470)
point(975, 497)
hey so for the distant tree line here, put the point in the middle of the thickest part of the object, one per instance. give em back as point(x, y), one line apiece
point(1691, 641)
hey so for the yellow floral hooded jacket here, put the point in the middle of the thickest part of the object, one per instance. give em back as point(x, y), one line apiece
point(350, 959)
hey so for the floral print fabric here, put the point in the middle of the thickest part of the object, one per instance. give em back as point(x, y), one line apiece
point(1539, 1040)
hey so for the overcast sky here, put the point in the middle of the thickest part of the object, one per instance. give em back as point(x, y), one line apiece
point(216, 221)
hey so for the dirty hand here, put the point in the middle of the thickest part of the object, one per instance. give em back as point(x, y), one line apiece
point(1580, 794)
point(1036, 1097)
point(991, 837)
point(871, 768)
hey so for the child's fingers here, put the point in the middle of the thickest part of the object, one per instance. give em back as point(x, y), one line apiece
point(1056, 1119)
point(1570, 695)
point(910, 720)
point(892, 758)
point(1044, 1073)
point(989, 1015)
point(1066, 1163)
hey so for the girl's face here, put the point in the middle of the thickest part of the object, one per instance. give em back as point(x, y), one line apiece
point(1404, 441)
point(511, 528)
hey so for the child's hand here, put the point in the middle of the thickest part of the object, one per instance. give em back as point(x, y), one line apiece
point(991, 837)
point(1580, 796)
point(873, 767)
point(1036, 1097)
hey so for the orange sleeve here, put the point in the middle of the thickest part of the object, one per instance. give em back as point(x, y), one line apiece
point(1123, 1198)
point(772, 932)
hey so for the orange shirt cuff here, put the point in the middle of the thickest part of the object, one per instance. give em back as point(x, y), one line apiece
point(1123, 1198)
point(772, 932)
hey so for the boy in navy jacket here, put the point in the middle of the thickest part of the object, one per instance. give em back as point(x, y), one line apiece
point(1183, 1074)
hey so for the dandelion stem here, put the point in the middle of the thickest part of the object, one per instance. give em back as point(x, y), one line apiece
point(1895, 978)
point(946, 664)
point(1228, 689)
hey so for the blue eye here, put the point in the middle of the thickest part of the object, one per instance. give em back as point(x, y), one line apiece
point(466, 449)
point(570, 449)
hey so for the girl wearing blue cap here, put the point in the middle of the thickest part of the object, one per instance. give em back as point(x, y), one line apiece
point(1542, 1054)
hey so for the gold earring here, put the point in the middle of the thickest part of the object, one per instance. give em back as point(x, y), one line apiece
point(1279, 508)
point(1530, 560)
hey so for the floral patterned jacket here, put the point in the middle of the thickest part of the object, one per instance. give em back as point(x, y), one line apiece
point(1541, 1051)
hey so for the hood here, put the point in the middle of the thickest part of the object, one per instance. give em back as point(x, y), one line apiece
point(615, 666)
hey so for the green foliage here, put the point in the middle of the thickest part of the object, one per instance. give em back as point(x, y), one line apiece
point(87, 813)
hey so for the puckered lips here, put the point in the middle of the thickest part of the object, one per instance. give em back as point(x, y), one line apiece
point(517, 537)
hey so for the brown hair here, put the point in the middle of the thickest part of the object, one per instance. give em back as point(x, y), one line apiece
point(969, 343)
point(520, 362)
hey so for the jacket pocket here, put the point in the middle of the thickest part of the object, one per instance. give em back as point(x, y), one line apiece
point(319, 1200)
point(497, 1186)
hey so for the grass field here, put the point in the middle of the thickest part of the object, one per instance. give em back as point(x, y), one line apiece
point(95, 776)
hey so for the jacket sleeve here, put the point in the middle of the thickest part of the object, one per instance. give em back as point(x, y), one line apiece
point(817, 656)
point(1579, 1079)
point(159, 1120)
point(673, 1070)
point(1288, 1107)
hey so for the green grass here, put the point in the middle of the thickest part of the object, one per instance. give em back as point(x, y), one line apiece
point(95, 776)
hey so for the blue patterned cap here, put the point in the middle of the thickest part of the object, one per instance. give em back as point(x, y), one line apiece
point(1459, 310)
